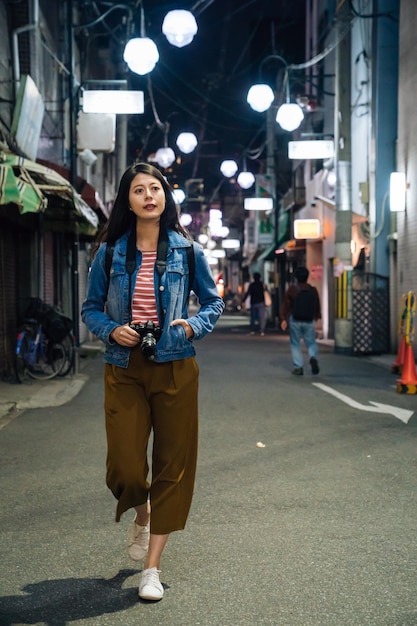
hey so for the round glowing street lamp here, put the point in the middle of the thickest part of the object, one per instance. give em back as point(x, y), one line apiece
point(289, 116)
point(228, 168)
point(260, 97)
point(245, 179)
point(165, 156)
point(186, 142)
point(141, 55)
point(179, 27)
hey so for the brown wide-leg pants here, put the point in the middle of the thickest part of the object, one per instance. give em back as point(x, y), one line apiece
point(162, 397)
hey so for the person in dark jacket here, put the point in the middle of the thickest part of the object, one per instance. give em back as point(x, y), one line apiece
point(256, 291)
point(300, 309)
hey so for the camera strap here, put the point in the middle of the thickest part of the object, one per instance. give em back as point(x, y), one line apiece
point(160, 265)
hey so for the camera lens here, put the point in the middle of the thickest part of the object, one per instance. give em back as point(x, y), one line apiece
point(148, 345)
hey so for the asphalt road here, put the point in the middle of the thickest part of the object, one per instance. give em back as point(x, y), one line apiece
point(305, 509)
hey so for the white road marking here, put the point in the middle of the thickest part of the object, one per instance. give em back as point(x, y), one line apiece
point(402, 414)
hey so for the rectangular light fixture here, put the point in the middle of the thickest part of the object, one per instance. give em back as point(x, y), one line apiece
point(320, 149)
point(110, 101)
point(397, 189)
point(306, 229)
point(258, 204)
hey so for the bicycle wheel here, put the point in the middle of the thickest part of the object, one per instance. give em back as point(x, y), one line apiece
point(50, 358)
point(68, 344)
point(22, 350)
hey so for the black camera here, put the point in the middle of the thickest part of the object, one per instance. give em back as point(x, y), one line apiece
point(149, 335)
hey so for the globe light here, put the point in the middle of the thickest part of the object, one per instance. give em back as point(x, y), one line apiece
point(245, 180)
point(179, 27)
point(289, 116)
point(179, 196)
point(331, 178)
point(186, 219)
point(228, 168)
point(186, 142)
point(260, 97)
point(141, 55)
point(165, 157)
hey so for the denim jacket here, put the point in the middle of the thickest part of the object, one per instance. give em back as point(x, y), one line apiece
point(107, 300)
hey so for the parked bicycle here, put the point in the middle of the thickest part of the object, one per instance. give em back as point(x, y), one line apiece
point(45, 345)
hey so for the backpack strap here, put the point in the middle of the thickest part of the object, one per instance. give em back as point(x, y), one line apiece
point(108, 258)
point(161, 261)
point(191, 266)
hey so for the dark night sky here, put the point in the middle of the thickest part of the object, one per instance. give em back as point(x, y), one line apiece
point(203, 86)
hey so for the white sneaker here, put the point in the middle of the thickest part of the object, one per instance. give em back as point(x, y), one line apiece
point(138, 541)
point(150, 587)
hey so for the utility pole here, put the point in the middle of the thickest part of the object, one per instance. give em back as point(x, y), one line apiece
point(343, 236)
point(73, 112)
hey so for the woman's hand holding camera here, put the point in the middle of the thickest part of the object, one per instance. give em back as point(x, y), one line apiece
point(125, 336)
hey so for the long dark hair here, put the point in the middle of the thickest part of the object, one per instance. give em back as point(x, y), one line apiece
point(122, 219)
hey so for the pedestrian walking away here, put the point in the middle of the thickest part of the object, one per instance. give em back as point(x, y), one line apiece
point(256, 291)
point(300, 310)
point(144, 266)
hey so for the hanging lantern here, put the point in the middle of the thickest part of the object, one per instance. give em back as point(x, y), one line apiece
point(260, 97)
point(245, 180)
point(165, 157)
point(141, 55)
point(179, 27)
point(289, 116)
point(228, 168)
point(179, 195)
point(186, 142)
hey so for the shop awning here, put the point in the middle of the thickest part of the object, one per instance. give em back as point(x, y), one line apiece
point(17, 187)
point(42, 189)
point(87, 192)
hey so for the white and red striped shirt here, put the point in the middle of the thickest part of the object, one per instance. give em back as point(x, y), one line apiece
point(144, 303)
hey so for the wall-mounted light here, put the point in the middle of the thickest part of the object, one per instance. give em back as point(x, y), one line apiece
point(315, 149)
point(306, 229)
point(218, 254)
point(258, 204)
point(230, 244)
point(179, 27)
point(331, 178)
point(397, 191)
point(112, 101)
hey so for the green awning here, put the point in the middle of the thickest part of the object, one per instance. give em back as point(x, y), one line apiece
point(9, 193)
point(16, 187)
point(35, 187)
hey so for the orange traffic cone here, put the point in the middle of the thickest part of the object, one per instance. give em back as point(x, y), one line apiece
point(396, 367)
point(408, 381)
